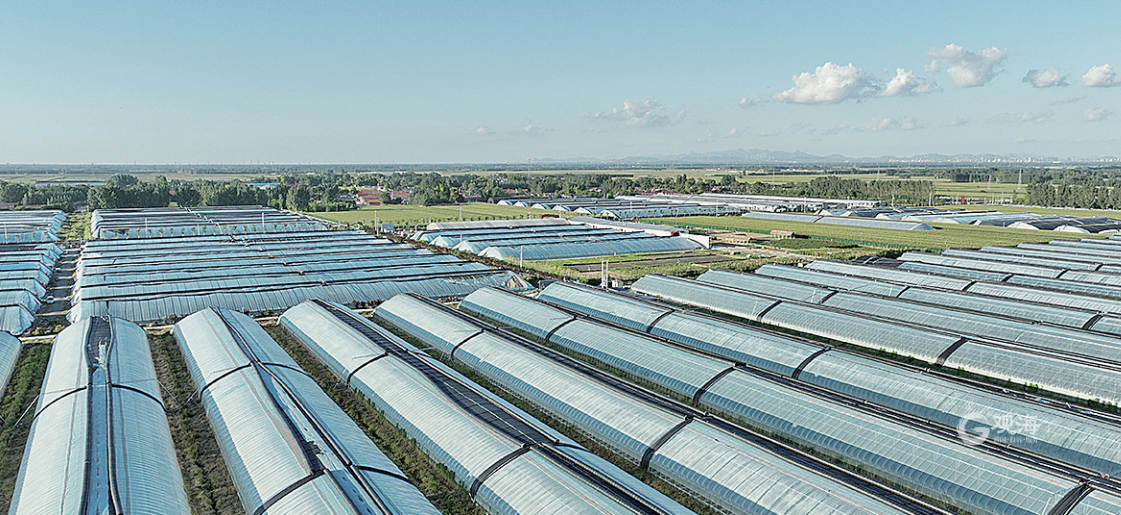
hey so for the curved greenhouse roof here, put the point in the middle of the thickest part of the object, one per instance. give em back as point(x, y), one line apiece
point(10, 347)
point(1062, 435)
point(977, 355)
point(725, 470)
point(99, 440)
point(289, 448)
point(150, 280)
point(640, 245)
point(943, 469)
point(511, 462)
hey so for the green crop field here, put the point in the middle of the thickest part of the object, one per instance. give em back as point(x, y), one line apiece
point(946, 236)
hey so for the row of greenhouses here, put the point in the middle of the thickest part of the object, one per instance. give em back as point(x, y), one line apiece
point(909, 452)
point(840, 220)
point(1062, 435)
point(510, 462)
point(288, 447)
point(555, 240)
point(1001, 360)
point(153, 279)
point(30, 226)
point(196, 221)
point(25, 271)
point(730, 472)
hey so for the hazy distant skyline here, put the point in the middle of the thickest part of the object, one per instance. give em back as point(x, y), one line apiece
point(427, 82)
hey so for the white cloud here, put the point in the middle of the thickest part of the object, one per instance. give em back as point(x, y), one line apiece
point(1025, 117)
point(1046, 78)
point(747, 102)
point(967, 69)
point(1101, 77)
point(483, 131)
point(906, 123)
point(531, 128)
point(640, 114)
point(958, 122)
point(829, 84)
point(1097, 114)
point(907, 83)
point(1024, 139)
point(882, 124)
point(1068, 100)
point(711, 135)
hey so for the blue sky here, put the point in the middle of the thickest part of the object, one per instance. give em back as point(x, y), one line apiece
point(430, 82)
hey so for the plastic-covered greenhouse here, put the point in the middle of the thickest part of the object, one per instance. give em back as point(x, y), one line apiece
point(639, 243)
point(196, 221)
point(289, 448)
point(961, 313)
point(30, 226)
point(99, 440)
point(510, 462)
point(985, 265)
point(725, 470)
point(25, 270)
point(1017, 308)
point(942, 468)
point(10, 347)
point(976, 355)
point(1061, 435)
point(841, 220)
point(149, 280)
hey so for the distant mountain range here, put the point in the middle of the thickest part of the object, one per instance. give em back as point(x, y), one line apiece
point(772, 157)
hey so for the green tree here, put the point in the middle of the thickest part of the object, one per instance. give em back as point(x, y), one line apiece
point(299, 198)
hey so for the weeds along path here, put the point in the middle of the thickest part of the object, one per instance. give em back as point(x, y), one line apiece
point(21, 394)
point(210, 489)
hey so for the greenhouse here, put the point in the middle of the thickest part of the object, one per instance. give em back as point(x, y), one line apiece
point(1026, 260)
point(196, 221)
point(1024, 309)
point(979, 356)
point(150, 280)
point(942, 469)
point(728, 472)
point(30, 226)
point(99, 440)
point(10, 347)
point(1062, 435)
point(639, 243)
point(984, 265)
point(24, 272)
point(841, 220)
point(510, 462)
point(288, 447)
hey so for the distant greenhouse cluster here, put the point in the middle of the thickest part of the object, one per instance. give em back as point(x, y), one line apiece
point(30, 226)
point(150, 279)
point(197, 221)
point(25, 272)
point(626, 207)
point(1061, 223)
point(555, 238)
point(923, 384)
point(837, 220)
